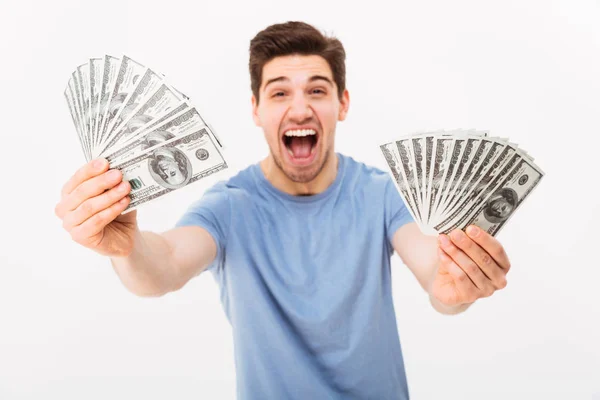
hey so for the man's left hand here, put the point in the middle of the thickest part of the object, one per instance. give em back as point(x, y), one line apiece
point(472, 265)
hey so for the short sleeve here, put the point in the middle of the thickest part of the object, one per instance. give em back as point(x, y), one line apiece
point(213, 213)
point(396, 213)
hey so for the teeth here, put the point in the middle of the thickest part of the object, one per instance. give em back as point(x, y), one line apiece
point(300, 132)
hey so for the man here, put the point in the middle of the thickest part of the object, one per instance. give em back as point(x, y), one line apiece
point(300, 243)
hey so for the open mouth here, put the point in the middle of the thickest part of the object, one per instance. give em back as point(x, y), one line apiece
point(300, 144)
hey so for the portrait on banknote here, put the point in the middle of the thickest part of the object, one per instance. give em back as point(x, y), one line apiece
point(170, 168)
point(500, 205)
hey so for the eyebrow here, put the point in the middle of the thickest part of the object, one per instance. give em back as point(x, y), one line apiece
point(311, 79)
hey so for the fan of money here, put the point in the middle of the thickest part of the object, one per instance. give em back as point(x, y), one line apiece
point(452, 179)
point(130, 115)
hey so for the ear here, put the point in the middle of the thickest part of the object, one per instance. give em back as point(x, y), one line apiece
point(344, 105)
point(255, 115)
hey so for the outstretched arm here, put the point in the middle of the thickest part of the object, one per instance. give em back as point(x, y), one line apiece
point(162, 263)
point(147, 263)
point(456, 269)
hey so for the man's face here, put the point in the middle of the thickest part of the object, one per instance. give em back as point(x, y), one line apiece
point(298, 111)
point(501, 208)
point(170, 168)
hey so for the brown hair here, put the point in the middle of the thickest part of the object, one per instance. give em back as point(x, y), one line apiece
point(295, 38)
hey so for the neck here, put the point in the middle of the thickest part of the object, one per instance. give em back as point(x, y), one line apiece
point(281, 181)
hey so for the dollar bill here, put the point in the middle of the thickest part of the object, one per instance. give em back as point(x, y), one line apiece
point(442, 155)
point(495, 171)
point(451, 179)
point(429, 141)
point(68, 93)
point(486, 154)
point(96, 67)
point(138, 131)
point(121, 109)
point(418, 150)
point(127, 75)
point(152, 124)
point(390, 153)
point(185, 122)
point(458, 147)
point(500, 205)
point(78, 99)
point(83, 79)
point(109, 76)
point(75, 94)
point(409, 172)
point(473, 204)
point(161, 101)
point(145, 85)
point(170, 166)
point(466, 158)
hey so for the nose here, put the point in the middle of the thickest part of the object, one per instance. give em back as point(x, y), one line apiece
point(300, 109)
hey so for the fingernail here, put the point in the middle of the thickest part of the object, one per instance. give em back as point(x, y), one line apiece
point(444, 240)
point(98, 164)
point(473, 231)
point(114, 174)
point(122, 186)
point(456, 235)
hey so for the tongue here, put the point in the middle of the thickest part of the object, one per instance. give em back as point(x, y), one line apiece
point(301, 146)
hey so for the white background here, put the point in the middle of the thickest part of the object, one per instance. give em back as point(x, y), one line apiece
point(528, 70)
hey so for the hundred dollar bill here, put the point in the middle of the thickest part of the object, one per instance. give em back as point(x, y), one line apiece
point(161, 101)
point(473, 205)
point(181, 124)
point(390, 153)
point(489, 172)
point(109, 76)
point(455, 155)
point(485, 155)
point(76, 102)
point(83, 78)
point(409, 173)
point(95, 67)
point(500, 205)
point(466, 157)
point(429, 143)
point(418, 149)
point(495, 171)
point(441, 157)
point(145, 85)
point(171, 166)
point(128, 74)
point(152, 124)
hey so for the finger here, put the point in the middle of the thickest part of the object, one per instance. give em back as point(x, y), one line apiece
point(96, 204)
point(465, 263)
point(89, 170)
point(89, 233)
point(461, 279)
point(490, 244)
point(88, 189)
point(481, 258)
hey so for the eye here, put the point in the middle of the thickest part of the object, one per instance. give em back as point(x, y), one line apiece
point(317, 91)
point(278, 93)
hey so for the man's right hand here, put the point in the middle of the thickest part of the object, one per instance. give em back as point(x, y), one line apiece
point(91, 205)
